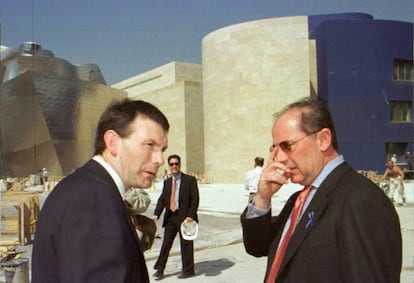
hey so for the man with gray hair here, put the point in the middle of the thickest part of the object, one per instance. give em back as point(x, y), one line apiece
point(340, 228)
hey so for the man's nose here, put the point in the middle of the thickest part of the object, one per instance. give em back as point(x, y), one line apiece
point(158, 158)
point(280, 156)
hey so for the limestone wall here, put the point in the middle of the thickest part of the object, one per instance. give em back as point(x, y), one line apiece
point(221, 112)
point(250, 70)
point(175, 88)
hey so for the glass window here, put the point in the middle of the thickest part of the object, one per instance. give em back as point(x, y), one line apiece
point(403, 70)
point(400, 111)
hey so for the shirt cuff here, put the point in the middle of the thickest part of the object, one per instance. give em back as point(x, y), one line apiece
point(253, 212)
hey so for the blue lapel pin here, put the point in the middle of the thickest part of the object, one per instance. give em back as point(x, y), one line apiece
point(311, 215)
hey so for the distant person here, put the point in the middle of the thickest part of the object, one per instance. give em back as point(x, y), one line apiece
point(394, 158)
point(179, 198)
point(410, 164)
point(40, 176)
point(45, 175)
point(252, 177)
point(340, 228)
point(395, 177)
point(84, 232)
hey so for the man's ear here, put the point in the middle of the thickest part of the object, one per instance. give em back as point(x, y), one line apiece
point(112, 140)
point(325, 139)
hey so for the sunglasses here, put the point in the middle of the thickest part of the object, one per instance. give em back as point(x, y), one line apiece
point(174, 164)
point(288, 146)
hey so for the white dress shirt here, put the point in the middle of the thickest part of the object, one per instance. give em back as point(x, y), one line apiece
point(252, 179)
point(117, 179)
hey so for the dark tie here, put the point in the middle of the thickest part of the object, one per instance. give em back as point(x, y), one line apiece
point(173, 204)
point(277, 261)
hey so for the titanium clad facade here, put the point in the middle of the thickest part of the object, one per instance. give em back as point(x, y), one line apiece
point(221, 111)
point(49, 110)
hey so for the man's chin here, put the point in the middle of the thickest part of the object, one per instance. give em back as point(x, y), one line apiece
point(147, 183)
point(296, 179)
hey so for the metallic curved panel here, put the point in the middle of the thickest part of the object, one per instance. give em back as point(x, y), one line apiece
point(49, 109)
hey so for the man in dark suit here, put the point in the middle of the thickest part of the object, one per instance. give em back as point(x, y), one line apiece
point(180, 200)
point(340, 228)
point(84, 233)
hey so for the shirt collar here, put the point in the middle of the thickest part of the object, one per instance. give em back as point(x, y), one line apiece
point(178, 177)
point(117, 179)
point(327, 169)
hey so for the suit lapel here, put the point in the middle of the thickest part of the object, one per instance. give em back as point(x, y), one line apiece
point(105, 177)
point(314, 211)
point(182, 189)
point(307, 222)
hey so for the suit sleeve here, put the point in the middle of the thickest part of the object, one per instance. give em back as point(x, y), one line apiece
point(256, 234)
point(161, 202)
point(194, 198)
point(261, 234)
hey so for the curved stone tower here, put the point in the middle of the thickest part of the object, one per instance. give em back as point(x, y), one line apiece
point(250, 70)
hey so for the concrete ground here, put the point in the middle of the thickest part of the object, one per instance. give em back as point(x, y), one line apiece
point(219, 253)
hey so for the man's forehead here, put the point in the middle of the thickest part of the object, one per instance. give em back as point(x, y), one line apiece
point(146, 129)
point(286, 124)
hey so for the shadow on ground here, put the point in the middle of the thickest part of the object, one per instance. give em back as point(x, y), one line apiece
point(212, 268)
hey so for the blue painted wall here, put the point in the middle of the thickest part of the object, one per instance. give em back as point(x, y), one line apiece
point(355, 66)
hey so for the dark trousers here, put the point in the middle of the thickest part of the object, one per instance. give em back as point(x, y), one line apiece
point(187, 247)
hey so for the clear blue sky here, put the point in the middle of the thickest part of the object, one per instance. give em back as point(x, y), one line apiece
point(128, 37)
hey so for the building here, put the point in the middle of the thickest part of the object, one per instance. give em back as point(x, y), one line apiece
point(49, 110)
point(365, 73)
point(176, 90)
point(362, 67)
point(221, 111)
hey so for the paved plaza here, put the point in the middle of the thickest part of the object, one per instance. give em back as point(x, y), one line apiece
point(219, 253)
point(220, 256)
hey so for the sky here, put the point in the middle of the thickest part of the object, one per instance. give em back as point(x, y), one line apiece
point(128, 37)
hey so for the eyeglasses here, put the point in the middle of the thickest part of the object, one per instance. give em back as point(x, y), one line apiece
point(174, 164)
point(287, 146)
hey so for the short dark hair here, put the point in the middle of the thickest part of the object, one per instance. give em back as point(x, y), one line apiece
point(119, 115)
point(175, 156)
point(259, 161)
point(315, 116)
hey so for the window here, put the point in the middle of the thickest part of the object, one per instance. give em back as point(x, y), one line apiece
point(400, 111)
point(403, 70)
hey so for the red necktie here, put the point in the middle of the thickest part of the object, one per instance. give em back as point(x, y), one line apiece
point(277, 261)
point(173, 204)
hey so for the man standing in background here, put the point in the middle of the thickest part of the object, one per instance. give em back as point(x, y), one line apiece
point(180, 200)
point(395, 177)
point(252, 177)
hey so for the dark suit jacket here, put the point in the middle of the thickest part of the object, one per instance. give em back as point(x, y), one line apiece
point(188, 199)
point(84, 233)
point(350, 233)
